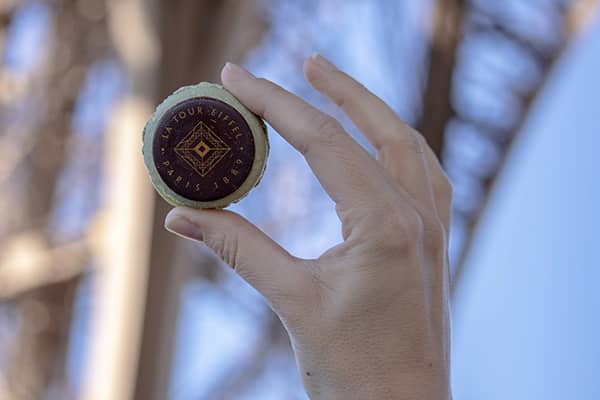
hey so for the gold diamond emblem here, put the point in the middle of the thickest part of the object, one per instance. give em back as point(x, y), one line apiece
point(202, 149)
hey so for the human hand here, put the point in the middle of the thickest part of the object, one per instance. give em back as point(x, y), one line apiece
point(368, 319)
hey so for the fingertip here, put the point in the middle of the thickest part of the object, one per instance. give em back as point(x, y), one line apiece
point(323, 63)
point(318, 78)
point(182, 212)
point(311, 70)
point(309, 62)
point(232, 72)
point(224, 72)
point(305, 65)
point(179, 223)
point(172, 215)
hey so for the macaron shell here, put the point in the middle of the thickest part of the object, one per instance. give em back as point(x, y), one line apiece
point(153, 127)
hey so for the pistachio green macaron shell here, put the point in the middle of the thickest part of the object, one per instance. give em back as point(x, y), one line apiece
point(203, 148)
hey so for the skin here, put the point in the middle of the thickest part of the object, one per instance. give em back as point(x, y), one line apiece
point(369, 318)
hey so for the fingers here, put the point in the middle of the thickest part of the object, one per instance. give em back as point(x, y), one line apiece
point(347, 172)
point(370, 114)
point(250, 252)
point(400, 148)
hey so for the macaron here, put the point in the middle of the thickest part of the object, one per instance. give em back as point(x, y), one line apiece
point(203, 148)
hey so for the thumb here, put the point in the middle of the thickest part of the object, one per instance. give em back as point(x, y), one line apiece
point(260, 261)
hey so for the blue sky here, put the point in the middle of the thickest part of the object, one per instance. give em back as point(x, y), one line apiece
point(527, 316)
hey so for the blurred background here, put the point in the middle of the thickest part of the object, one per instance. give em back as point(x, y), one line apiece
point(98, 302)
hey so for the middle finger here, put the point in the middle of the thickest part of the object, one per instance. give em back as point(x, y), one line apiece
point(400, 148)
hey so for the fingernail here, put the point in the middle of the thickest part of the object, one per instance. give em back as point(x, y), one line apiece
point(182, 226)
point(324, 63)
point(236, 72)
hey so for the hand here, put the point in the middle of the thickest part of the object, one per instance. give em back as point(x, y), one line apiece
point(369, 318)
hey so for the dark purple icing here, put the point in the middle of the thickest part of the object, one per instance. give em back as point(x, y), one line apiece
point(203, 149)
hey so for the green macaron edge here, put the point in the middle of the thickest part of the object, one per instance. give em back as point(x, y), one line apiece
point(257, 127)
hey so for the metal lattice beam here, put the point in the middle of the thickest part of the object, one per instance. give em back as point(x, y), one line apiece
point(474, 105)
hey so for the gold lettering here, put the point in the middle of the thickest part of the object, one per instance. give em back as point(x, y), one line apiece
point(166, 135)
point(213, 112)
point(187, 184)
point(197, 187)
point(220, 113)
point(171, 172)
point(237, 128)
point(226, 117)
point(191, 111)
point(225, 179)
point(166, 163)
point(182, 114)
point(216, 186)
point(234, 172)
point(200, 110)
point(174, 119)
point(231, 122)
point(238, 161)
point(238, 135)
point(178, 179)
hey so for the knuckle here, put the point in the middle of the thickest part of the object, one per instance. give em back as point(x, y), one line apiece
point(406, 229)
point(340, 99)
point(409, 139)
point(420, 143)
point(411, 223)
point(325, 132)
point(269, 91)
point(416, 227)
point(348, 90)
point(434, 235)
point(328, 129)
point(399, 230)
point(226, 248)
point(433, 227)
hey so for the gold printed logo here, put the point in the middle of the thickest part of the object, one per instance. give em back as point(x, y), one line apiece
point(202, 149)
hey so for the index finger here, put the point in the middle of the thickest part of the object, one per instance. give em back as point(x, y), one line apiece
point(347, 172)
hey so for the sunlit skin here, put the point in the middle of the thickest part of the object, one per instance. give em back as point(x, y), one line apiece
point(369, 318)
